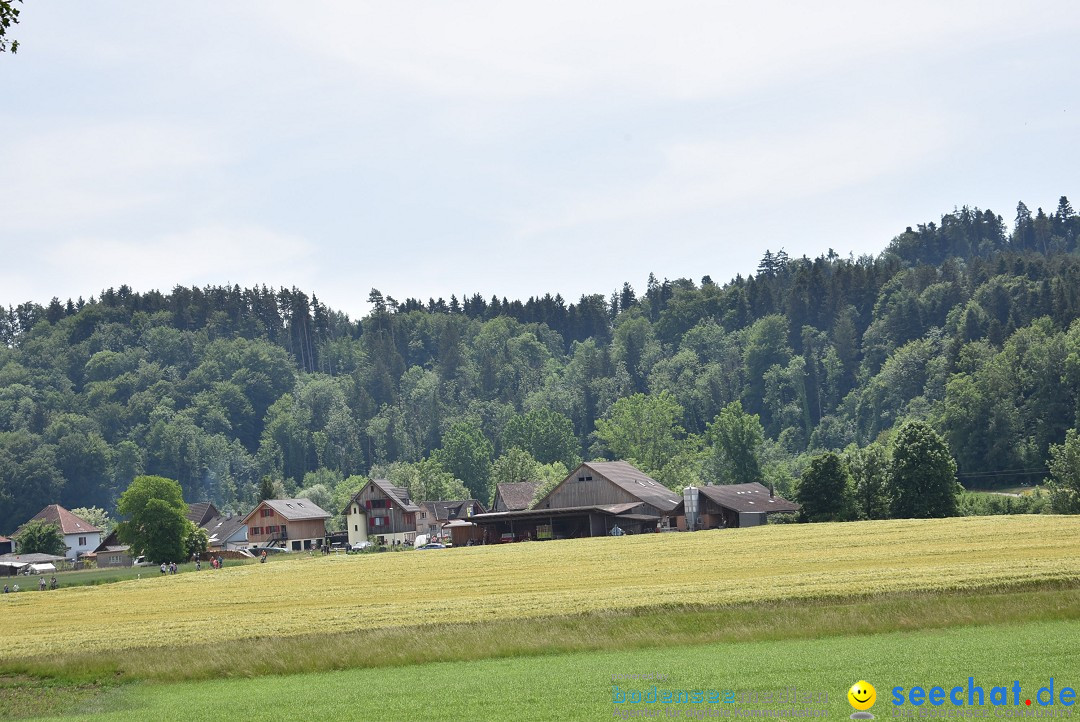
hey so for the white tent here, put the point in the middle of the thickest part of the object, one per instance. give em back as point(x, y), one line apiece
point(42, 568)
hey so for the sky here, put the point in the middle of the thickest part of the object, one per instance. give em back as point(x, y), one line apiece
point(436, 148)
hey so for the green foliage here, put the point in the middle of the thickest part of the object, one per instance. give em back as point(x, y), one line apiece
point(98, 517)
point(922, 474)
point(156, 524)
point(870, 470)
point(961, 323)
point(41, 537)
point(1064, 482)
point(825, 490)
point(515, 465)
point(546, 435)
point(990, 504)
point(195, 540)
point(9, 15)
point(643, 430)
point(736, 438)
point(426, 480)
point(466, 454)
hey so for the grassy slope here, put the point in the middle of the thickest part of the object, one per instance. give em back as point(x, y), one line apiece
point(310, 596)
point(578, 685)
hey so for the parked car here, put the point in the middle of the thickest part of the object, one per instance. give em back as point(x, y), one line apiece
point(361, 546)
point(141, 561)
point(507, 537)
point(433, 545)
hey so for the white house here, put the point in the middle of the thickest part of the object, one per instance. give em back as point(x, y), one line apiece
point(80, 536)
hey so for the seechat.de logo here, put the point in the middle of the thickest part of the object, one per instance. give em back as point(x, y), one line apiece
point(862, 696)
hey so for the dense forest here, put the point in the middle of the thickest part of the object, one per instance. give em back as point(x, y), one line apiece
point(966, 324)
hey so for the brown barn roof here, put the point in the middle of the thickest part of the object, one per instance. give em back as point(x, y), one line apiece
point(747, 497)
point(68, 522)
point(636, 482)
point(292, 509)
point(516, 495)
point(446, 510)
point(202, 512)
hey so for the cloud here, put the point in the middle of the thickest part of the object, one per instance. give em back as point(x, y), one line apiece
point(245, 255)
point(70, 175)
point(688, 49)
point(765, 168)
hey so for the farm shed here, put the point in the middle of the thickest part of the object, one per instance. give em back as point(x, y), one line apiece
point(733, 505)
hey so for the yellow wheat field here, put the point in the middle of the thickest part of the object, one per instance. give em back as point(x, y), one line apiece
point(324, 595)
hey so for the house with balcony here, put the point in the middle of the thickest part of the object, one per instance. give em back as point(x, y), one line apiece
point(381, 512)
point(290, 524)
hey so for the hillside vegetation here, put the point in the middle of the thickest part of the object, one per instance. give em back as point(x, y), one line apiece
point(966, 324)
point(321, 596)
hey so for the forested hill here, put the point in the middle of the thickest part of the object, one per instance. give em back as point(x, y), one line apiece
point(968, 324)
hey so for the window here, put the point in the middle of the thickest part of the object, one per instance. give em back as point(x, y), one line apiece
point(267, 512)
point(355, 509)
point(82, 541)
point(356, 527)
point(379, 504)
point(256, 531)
point(423, 515)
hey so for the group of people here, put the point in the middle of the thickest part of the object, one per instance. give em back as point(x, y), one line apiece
point(169, 568)
point(42, 585)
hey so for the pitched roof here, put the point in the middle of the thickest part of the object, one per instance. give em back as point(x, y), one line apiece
point(636, 482)
point(68, 522)
point(201, 512)
point(221, 528)
point(292, 509)
point(397, 494)
point(517, 494)
point(110, 543)
point(446, 510)
point(747, 497)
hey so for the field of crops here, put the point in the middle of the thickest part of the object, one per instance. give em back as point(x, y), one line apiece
point(325, 595)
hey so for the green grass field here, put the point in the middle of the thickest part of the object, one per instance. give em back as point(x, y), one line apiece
point(536, 630)
point(579, 685)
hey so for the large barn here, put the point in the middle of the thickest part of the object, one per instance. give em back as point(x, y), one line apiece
point(598, 498)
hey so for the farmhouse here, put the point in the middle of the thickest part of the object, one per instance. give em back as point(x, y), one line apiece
point(514, 496)
point(226, 533)
point(596, 499)
point(111, 553)
point(732, 505)
point(6, 545)
point(292, 524)
point(381, 512)
point(435, 515)
point(80, 536)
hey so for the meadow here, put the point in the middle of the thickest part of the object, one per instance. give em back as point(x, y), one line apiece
point(579, 685)
point(366, 621)
point(320, 595)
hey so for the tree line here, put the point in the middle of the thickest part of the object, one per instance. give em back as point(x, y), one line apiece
point(964, 324)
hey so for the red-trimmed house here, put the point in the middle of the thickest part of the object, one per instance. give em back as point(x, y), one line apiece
point(381, 512)
point(290, 524)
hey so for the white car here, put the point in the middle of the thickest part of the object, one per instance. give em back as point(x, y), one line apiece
point(361, 546)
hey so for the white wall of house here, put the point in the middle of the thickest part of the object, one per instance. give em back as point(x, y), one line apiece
point(357, 523)
point(81, 543)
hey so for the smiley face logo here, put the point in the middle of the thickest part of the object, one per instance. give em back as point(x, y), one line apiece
point(862, 695)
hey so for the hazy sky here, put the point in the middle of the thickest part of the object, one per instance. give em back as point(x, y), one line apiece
point(512, 148)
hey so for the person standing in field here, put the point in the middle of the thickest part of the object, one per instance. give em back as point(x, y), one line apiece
point(41, 584)
point(163, 567)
